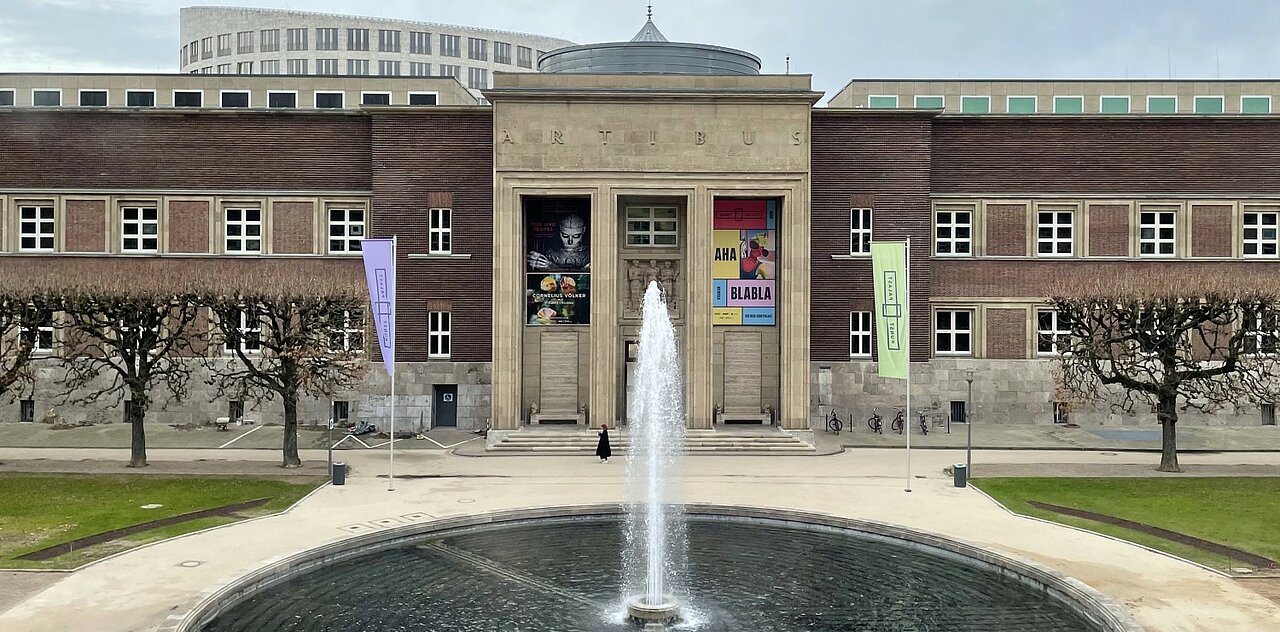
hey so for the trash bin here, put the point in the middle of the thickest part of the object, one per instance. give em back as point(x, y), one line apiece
point(960, 472)
point(339, 473)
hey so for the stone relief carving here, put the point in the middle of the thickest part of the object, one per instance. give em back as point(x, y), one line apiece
point(640, 272)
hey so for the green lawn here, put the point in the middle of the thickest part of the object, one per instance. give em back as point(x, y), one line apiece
point(1239, 512)
point(37, 511)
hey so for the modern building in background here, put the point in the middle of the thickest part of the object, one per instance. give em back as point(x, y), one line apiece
point(245, 41)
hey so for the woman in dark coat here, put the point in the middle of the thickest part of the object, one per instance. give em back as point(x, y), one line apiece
point(602, 449)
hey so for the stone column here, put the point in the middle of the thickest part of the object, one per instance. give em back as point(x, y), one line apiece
point(793, 302)
point(605, 341)
point(697, 343)
point(508, 308)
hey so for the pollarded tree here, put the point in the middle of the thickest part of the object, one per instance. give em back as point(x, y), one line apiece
point(26, 327)
point(1200, 342)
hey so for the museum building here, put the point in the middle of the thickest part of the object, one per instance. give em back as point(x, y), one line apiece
point(529, 227)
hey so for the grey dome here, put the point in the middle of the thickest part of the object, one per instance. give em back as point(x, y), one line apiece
point(649, 52)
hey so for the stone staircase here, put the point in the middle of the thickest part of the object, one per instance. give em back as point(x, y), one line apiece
point(545, 440)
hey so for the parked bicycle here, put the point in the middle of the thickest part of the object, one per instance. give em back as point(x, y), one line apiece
point(896, 424)
point(834, 424)
point(875, 423)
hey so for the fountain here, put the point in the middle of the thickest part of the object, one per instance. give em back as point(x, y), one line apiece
point(655, 538)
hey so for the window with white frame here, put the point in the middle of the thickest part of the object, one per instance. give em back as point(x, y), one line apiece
point(419, 69)
point(423, 98)
point(328, 66)
point(295, 66)
point(524, 57)
point(206, 47)
point(860, 231)
point(247, 336)
point(388, 68)
point(439, 333)
point(1052, 334)
point(327, 38)
point(269, 41)
point(224, 44)
point(244, 42)
point(450, 45)
point(36, 227)
point(419, 43)
point(329, 100)
point(347, 331)
point(41, 336)
point(375, 98)
point(296, 39)
point(477, 48)
point(282, 99)
point(46, 98)
point(477, 78)
point(388, 40)
point(139, 228)
point(1263, 336)
point(140, 98)
point(346, 229)
point(953, 332)
point(450, 70)
point(501, 53)
point(653, 226)
point(243, 230)
point(953, 232)
point(860, 334)
point(1055, 233)
point(235, 99)
point(440, 227)
point(1156, 233)
point(93, 98)
point(357, 39)
point(358, 67)
point(7, 98)
point(1259, 233)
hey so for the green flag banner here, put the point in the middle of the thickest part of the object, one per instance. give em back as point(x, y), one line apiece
point(889, 266)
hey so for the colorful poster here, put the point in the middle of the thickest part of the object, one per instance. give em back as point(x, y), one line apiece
point(757, 315)
point(728, 258)
point(720, 293)
point(558, 299)
point(726, 316)
point(750, 293)
point(759, 253)
point(745, 268)
point(558, 241)
point(740, 214)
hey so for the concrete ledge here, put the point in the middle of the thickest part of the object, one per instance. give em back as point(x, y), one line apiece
point(1100, 610)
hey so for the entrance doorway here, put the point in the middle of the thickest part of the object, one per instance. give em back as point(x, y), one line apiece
point(444, 411)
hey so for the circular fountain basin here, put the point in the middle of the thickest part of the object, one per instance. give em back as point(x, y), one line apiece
point(646, 613)
point(747, 569)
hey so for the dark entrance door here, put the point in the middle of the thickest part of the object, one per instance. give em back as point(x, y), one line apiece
point(445, 408)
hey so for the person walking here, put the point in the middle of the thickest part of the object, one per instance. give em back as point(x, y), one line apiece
point(603, 450)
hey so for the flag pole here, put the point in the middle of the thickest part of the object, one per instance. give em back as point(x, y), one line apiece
point(391, 459)
point(906, 337)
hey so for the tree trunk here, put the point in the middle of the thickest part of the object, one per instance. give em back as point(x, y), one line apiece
point(291, 458)
point(138, 440)
point(1167, 414)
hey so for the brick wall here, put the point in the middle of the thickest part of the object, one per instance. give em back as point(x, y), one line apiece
point(1006, 333)
point(1007, 230)
point(1108, 230)
point(188, 226)
point(293, 227)
point(1211, 234)
point(86, 225)
point(1035, 279)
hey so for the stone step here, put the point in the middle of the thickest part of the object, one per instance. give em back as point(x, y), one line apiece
point(801, 448)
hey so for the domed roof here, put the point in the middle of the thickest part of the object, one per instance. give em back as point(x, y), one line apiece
point(649, 52)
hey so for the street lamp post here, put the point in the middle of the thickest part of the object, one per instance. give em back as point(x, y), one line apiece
point(968, 418)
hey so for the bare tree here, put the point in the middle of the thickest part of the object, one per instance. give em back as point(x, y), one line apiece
point(1200, 342)
point(26, 319)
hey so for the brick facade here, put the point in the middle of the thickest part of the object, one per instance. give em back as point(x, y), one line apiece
point(1006, 333)
point(188, 226)
point(1109, 230)
point(86, 225)
point(1212, 232)
point(293, 227)
point(1007, 230)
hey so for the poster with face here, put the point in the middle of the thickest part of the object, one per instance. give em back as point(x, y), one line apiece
point(744, 270)
point(558, 241)
point(558, 299)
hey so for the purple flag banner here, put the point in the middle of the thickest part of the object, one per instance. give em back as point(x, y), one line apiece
point(380, 272)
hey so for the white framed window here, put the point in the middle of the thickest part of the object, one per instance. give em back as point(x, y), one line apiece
point(477, 49)
point(388, 40)
point(267, 67)
point(327, 38)
point(224, 44)
point(419, 43)
point(930, 101)
point(882, 101)
point(46, 97)
point(42, 337)
point(653, 226)
point(1208, 104)
point(953, 332)
point(346, 229)
point(225, 69)
point(296, 66)
point(7, 98)
point(1052, 334)
point(1113, 104)
point(244, 42)
point(348, 333)
point(419, 69)
point(1055, 233)
point(1255, 104)
point(282, 98)
point(234, 98)
point(1263, 335)
point(327, 66)
point(243, 230)
point(450, 45)
point(36, 227)
point(440, 227)
point(953, 232)
point(388, 68)
point(1259, 234)
point(1068, 105)
point(975, 105)
point(358, 67)
point(140, 98)
point(139, 228)
point(450, 70)
point(1016, 104)
point(269, 41)
point(439, 334)
point(1157, 232)
point(860, 334)
point(249, 332)
point(860, 231)
point(477, 78)
point(296, 39)
point(206, 47)
point(501, 53)
point(188, 98)
point(93, 98)
point(357, 39)
point(329, 100)
point(375, 98)
point(1162, 104)
point(524, 57)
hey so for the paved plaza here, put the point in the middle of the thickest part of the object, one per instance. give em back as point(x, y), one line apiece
point(153, 587)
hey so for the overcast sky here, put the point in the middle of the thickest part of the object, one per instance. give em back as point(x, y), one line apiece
point(833, 40)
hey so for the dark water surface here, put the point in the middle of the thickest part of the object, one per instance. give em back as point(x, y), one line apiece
point(565, 576)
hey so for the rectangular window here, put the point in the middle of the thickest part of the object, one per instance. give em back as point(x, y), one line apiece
point(296, 39)
point(438, 334)
point(140, 98)
point(375, 98)
point(346, 229)
point(341, 412)
point(224, 69)
point(329, 100)
point(450, 45)
point(358, 67)
point(188, 99)
point(244, 42)
point(1268, 414)
point(327, 67)
point(139, 229)
point(36, 228)
point(1162, 105)
point(348, 331)
point(295, 66)
point(952, 332)
point(477, 78)
point(46, 98)
point(272, 67)
point(419, 69)
point(235, 99)
point(269, 40)
point(1055, 233)
point(243, 230)
point(6, 98)
point(860, 334)
point(422, 98)
point(388, 41)
point(477, 49)
point(282, 99)
point(441, 231)
point(249, 334)
point(1052, 334)
point(1021, 105)
point(206, 48)
point(1255, 105)
point(1156, 233)
point(450, 70)
point(1068, 105)
point(42, 337)
point(224, 44)
point(93, 98)
point(235, 411)
point(388, 68)
point(930, 102)
point(1208, 105)
point(1113, 105)
point(357, 39)
point(327, 39)
point(419, 43)
point(882, 101)
point(1263, 335)
point(1259, 233)
point(246, 68)
point(501, 53)
point(1061, 413)
point(27, 411)
point(656, 226)
point(207, 70)
point(975, 105)
point(952, 232)
point(524, 57)
point(860, 231)
point(194, 48)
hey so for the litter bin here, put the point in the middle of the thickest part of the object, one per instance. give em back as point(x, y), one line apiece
point(960, 472)
point(339, 473)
